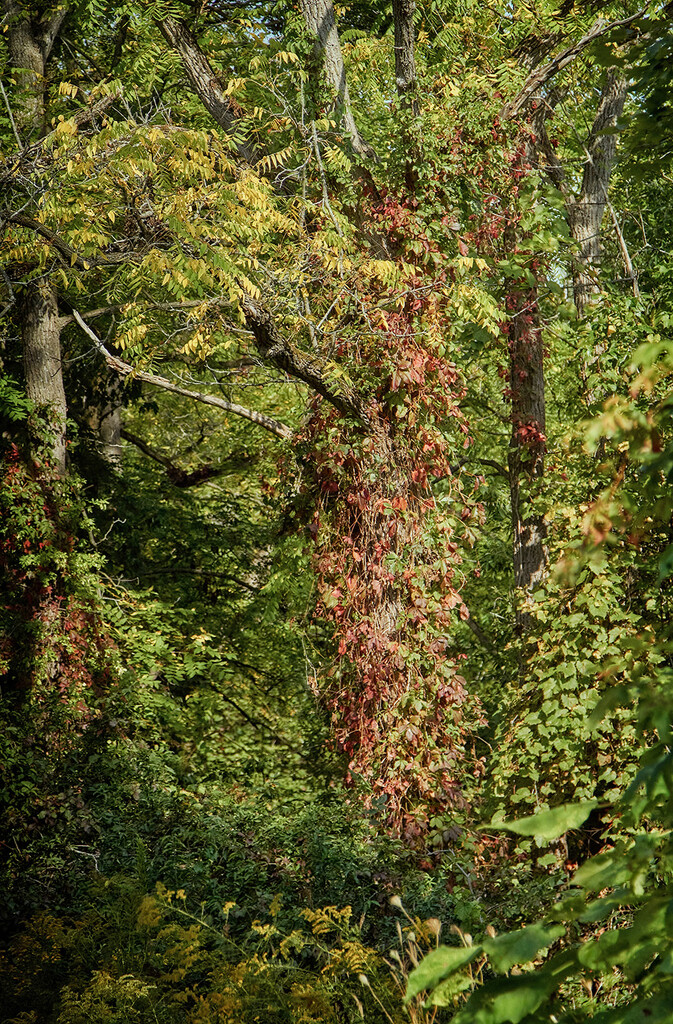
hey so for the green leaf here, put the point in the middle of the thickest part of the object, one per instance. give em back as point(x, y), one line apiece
point(447, 990)
point(509, 1000)
point(438, 965)
point(522, 946)
point(645, 1011)
point(606, 870)
point(548, 825)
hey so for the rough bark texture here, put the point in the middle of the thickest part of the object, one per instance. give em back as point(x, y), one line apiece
point(405, 65)
point(527, 444)
point(204, 81)
point(586, 213)
point(405, 77)
point(30, 42)
point(274, 348)
point(42, 363)
point(321, 25)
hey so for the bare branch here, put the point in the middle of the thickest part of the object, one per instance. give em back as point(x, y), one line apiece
point(91, 314)
point(539, 77)
point(126, 370)
point(11, 117)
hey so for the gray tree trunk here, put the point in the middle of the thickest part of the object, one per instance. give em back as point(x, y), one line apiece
point(30, 41)
point(321, 24)
point(40, 331)
point(586, 212)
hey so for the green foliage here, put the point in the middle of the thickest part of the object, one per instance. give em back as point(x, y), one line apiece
point(201, 638)
point(152, 956)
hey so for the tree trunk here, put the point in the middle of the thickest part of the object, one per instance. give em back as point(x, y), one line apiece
point(527, 444)
point(321, 25)
point(405, 77)
point(30, 41)
point(586, 213)
point(525, 457)
point(25, 54)
point(40, 331)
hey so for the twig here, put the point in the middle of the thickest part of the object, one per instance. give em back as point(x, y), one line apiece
point(11, 117)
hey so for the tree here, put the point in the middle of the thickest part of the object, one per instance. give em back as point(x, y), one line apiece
point(315, 235)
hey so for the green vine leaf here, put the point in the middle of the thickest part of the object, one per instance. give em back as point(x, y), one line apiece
point(521, 947)
point(549, 825)
point(436, 966)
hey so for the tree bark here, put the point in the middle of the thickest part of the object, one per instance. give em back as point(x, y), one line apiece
point(42, 364)
point(405, 63)
point(586, 213)
point(30, 41)
point(321, 25)
point(405, 78)
point(224, 110)
point(528, 441)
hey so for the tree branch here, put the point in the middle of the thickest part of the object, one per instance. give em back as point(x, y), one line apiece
point(273, 347)
point(51, 26)
point(126, 370)
point(179, 477)
point(103, 310)
point(539, 77)
point(66, 252)
point(206, 85)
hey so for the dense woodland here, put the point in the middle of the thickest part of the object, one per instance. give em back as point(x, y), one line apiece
point(336, 536)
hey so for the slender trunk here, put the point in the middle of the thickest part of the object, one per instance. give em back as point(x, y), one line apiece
point(321, 24)
point(527, 443)
point(586, 212)
point(405, 77)
point(40, 331)
point(525, 457)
